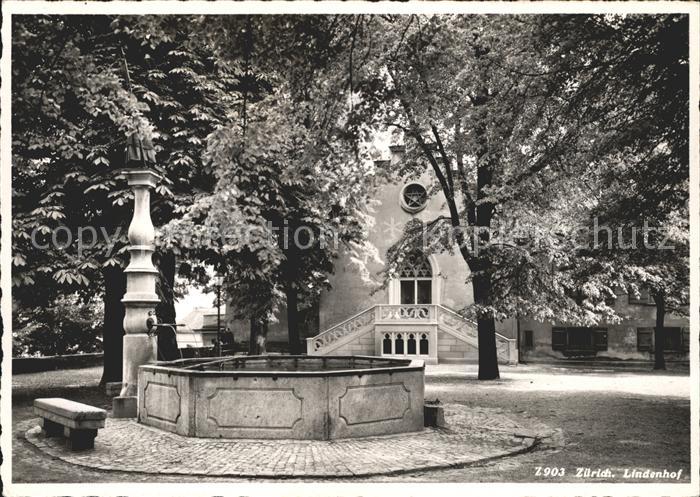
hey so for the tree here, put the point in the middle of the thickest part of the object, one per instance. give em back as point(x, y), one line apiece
point(73, 113)
point(513, 115)
point(494, 140)
point(638, 93)
point(69, 326)
point(654, 260)
point(262, 198)
point(289, 169)
point(68, 112)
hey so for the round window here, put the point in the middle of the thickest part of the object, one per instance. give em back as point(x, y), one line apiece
point(414, 197)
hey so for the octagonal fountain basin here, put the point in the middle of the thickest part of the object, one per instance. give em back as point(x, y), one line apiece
point(298, 397)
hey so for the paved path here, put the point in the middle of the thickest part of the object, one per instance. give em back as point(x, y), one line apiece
point(472, 436)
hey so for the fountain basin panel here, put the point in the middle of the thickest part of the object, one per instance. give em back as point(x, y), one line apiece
point(298, 397)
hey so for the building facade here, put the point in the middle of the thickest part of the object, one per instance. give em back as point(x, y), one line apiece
point(415, 315)
point(631, 339)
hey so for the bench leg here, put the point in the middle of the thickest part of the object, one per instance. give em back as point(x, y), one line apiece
point(51, 428)
point(80, 439)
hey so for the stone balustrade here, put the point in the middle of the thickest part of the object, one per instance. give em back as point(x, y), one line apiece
point(418, 312)
point(423, 314)
point(506, 348)
point(317, 344)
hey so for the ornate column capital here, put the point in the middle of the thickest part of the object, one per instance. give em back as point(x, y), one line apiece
point(142, 177)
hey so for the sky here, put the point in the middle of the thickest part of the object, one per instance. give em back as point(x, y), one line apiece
point(193, 298)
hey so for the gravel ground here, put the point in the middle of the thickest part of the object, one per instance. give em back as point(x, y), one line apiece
point(608, 418)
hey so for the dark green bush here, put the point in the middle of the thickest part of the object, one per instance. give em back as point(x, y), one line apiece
point(67, 326)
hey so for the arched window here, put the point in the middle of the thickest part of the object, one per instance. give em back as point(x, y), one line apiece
point(415, 275)
point(386, 344)
point(398, 344)
point(411, 344)
point(406, 344)
point(424, 344)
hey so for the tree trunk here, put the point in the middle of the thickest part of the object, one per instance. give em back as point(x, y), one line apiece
point(113, 327)
point(291, 275)
point(659, 361)
point(479, 213)
point(481, 266)
point(253, 338)
point(262, 337)
point(309, 322)
point(293, 318)
point(486, 329)
point(518, 334)
point(257, 344)
point(165, 310)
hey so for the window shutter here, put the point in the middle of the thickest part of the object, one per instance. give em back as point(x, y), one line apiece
point(600, 339)
point(558, 339)
point(645, 339)
point(685, 335)
point(673, 339)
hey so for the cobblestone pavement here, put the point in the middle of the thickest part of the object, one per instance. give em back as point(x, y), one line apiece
point(472, 436)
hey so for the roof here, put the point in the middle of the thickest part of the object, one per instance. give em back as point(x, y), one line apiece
point(200, 319)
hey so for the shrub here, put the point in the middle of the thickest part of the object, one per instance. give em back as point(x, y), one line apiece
point(68, 326)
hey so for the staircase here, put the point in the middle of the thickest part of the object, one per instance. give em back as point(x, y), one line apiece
point(342, 333)
point(363, 333)
point(463, 329)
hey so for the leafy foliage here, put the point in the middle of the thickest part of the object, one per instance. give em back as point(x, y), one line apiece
point(287, 160)
point(73, 112)
point(519, 117)
point(74, 107)
point(70, 326)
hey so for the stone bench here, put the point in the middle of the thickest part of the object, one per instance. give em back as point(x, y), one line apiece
point(77, 422)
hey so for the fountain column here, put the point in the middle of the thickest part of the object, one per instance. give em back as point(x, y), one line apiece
point(140, 298)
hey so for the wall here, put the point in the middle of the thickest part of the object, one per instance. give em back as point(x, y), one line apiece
point(22, 365)
point(450, 349)
point(362, 345)
point(350, 294)
point(508, 328)
point(622, 337)
point(274, 404)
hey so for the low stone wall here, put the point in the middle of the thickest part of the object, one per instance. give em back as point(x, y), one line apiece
point(23, 365)
point(317, 405)
point(361, 345)
point(452, 349)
